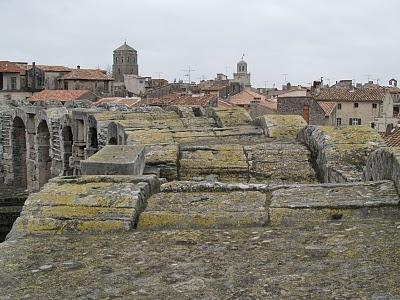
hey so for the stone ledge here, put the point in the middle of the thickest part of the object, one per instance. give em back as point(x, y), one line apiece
point(115, 160)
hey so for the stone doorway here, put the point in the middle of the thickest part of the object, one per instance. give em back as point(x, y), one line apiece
point(43, 153)
point(67, 140)
point(18, 139)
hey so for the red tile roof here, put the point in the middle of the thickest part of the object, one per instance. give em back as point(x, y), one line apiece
point(225, 104)
point(60, 95)
point(86, 74)
point(247, 96)
point(178, 99)
point(351, 95)
point(9, 67)
point(48, 68)
point(393, 139)
point(327, 107)
point(130, 102)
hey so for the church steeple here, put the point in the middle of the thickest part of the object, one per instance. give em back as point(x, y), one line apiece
point(125, 62)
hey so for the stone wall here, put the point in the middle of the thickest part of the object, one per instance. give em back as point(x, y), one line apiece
point(384, 164)
point(340, 154)
point(295, 106)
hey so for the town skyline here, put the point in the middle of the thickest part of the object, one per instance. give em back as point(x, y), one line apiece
point(285, 38)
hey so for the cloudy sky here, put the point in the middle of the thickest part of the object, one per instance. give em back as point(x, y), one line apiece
point(307, 39)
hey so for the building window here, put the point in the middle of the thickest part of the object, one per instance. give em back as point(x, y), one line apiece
point(372, 125)
point(116, 59)
point(356, 105)
point(338, 121)
point(128, 58)
point(65, 85)
point(374, 105)
point(355, 121)
point(106, 86)
point(13, 83)
point(122, 60)
point(339, 106)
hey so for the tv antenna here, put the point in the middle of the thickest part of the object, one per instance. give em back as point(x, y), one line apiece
point(285, 77)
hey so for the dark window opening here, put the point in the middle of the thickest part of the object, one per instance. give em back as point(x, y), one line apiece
point(355, 105)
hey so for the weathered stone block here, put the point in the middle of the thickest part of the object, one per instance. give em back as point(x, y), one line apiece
point(278, 126)
point(169, 210)
point(115, 160)
point(308, 204)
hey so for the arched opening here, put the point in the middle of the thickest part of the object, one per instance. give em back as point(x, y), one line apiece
point(112, 134)
point(92, 136)
point(43, 153)
point(112, 141)
point(18, 139)
point(67, 140)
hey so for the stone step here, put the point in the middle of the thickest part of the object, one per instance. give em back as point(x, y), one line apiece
point(309, 204)
point(180, 210)
point(86, 203)
point(192, 205)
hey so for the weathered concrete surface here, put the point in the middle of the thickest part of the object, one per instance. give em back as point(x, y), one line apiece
point(277, 126)
point(382, 164)
point(340, 154)
point(170, 210)
point(85, 204)
point(115, 160)
point(308, 204)
point(359, 260)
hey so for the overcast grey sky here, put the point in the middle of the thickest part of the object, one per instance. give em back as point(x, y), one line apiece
point(337, 39)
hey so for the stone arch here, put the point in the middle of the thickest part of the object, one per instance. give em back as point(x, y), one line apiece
point(67, 141)
point(43, 153)
point(19, 153)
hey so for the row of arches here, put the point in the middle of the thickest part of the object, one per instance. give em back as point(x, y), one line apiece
point(28, 167)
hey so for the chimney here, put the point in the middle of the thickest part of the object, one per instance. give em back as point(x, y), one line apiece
point(78, 67)
point(34, 75)
point(306, 113)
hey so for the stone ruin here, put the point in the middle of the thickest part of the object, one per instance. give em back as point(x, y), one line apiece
point(222, 150)
point(99, 170)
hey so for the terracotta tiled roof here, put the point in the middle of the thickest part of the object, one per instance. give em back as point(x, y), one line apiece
point(177, 99)
point(393, 139)
point(9, 67)
point(130, 102)
point(247, 96)
point(327, 107)
point(86, 74)
point(225, 104)
point(48, 68)
point(351, 95)
point(214, 87)
point(60, 95)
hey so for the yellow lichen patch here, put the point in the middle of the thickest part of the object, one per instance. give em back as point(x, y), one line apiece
point(169, 220)
point(103, 226)
point(36, 225)
point(231, 117)
point(84, 212)
point(352, 135)
point(276, 126)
